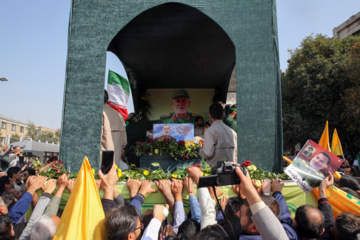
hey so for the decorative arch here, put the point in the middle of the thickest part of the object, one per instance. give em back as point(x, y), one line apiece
point(241, 33)
point(174, 45)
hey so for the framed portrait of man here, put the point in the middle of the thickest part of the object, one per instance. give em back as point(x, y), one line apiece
point(173, 132)
point(309, 150)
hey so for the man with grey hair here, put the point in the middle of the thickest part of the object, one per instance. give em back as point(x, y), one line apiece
point(43, 229)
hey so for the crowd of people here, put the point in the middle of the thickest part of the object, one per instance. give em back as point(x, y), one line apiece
point(256, 212)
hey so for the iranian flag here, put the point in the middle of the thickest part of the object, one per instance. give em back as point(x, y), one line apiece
point(118, 89)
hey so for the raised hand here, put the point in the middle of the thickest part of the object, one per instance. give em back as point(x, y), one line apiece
point(177, 189)
point(133, 185)
point(189, 186)
point(146, 188)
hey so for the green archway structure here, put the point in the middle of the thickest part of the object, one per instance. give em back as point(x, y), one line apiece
point(182, 44)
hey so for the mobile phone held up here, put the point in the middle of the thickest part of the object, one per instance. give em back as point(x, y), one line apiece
point(107, 161)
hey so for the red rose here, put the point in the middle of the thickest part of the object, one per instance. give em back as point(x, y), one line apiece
point(166, 140)
point(57, 171)
point(68, 173)
point(246, 163)
point(181, 155)
point(182, 143)
point(198, 165)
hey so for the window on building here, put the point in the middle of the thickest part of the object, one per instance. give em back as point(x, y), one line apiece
point(21, 129)
point(13, 127)
point(3, 125)
point(2, 140)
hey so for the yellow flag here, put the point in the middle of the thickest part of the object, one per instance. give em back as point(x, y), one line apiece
point(336, 144)
point(340, 201)
point(83, 215)
point(324, 140)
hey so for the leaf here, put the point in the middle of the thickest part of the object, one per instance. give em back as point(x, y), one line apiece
point(155, 164)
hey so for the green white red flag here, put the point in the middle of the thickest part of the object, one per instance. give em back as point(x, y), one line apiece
point(119, 90)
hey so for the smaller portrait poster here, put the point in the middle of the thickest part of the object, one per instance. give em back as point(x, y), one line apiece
point(174, 132)
point(312, 165)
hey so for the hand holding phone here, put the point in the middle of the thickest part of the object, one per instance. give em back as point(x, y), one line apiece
point(107, 161)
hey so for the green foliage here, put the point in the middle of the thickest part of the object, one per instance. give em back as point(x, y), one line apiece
point(257, 173)
point(56, 169)
point(53, 171)
point(14, 138)
point(351, 100)
point(313, 89)
point(58, 133)
point(177, 150)
point(32, 131)
point(144, 174)
point(49, 136)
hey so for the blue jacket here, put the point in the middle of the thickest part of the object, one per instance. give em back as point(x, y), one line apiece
point(21, 207)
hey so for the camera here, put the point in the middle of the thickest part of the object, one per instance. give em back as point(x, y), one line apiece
point(223, 174)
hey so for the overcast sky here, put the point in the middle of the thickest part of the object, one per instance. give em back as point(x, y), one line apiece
point(33, 48)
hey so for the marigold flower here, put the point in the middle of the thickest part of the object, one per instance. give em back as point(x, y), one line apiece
point(93, 171)
point(145, 172)
point(174, 175)
point(119, 173)
point(258, 183)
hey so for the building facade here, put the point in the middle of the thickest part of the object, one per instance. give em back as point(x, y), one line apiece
point(350, 27)
point(10, 127)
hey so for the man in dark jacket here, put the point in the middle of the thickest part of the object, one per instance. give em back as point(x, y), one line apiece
point(316, 223)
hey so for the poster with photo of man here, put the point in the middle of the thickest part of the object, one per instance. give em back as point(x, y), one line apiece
point(312, 165)
point(174, 132)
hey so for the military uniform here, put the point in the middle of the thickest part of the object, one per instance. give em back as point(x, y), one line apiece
point(162, 138)
point(232, 123)
point(172, 118)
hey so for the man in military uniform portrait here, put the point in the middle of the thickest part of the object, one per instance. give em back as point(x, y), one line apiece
point(180, 103)
point(315, 171)
point(166, 130)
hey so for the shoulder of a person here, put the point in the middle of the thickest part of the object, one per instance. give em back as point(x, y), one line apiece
point(166, 115)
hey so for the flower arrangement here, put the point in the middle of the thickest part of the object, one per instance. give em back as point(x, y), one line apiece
point(257, 173)
point(53, 170)
point(144, 174)
point(177, 150)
